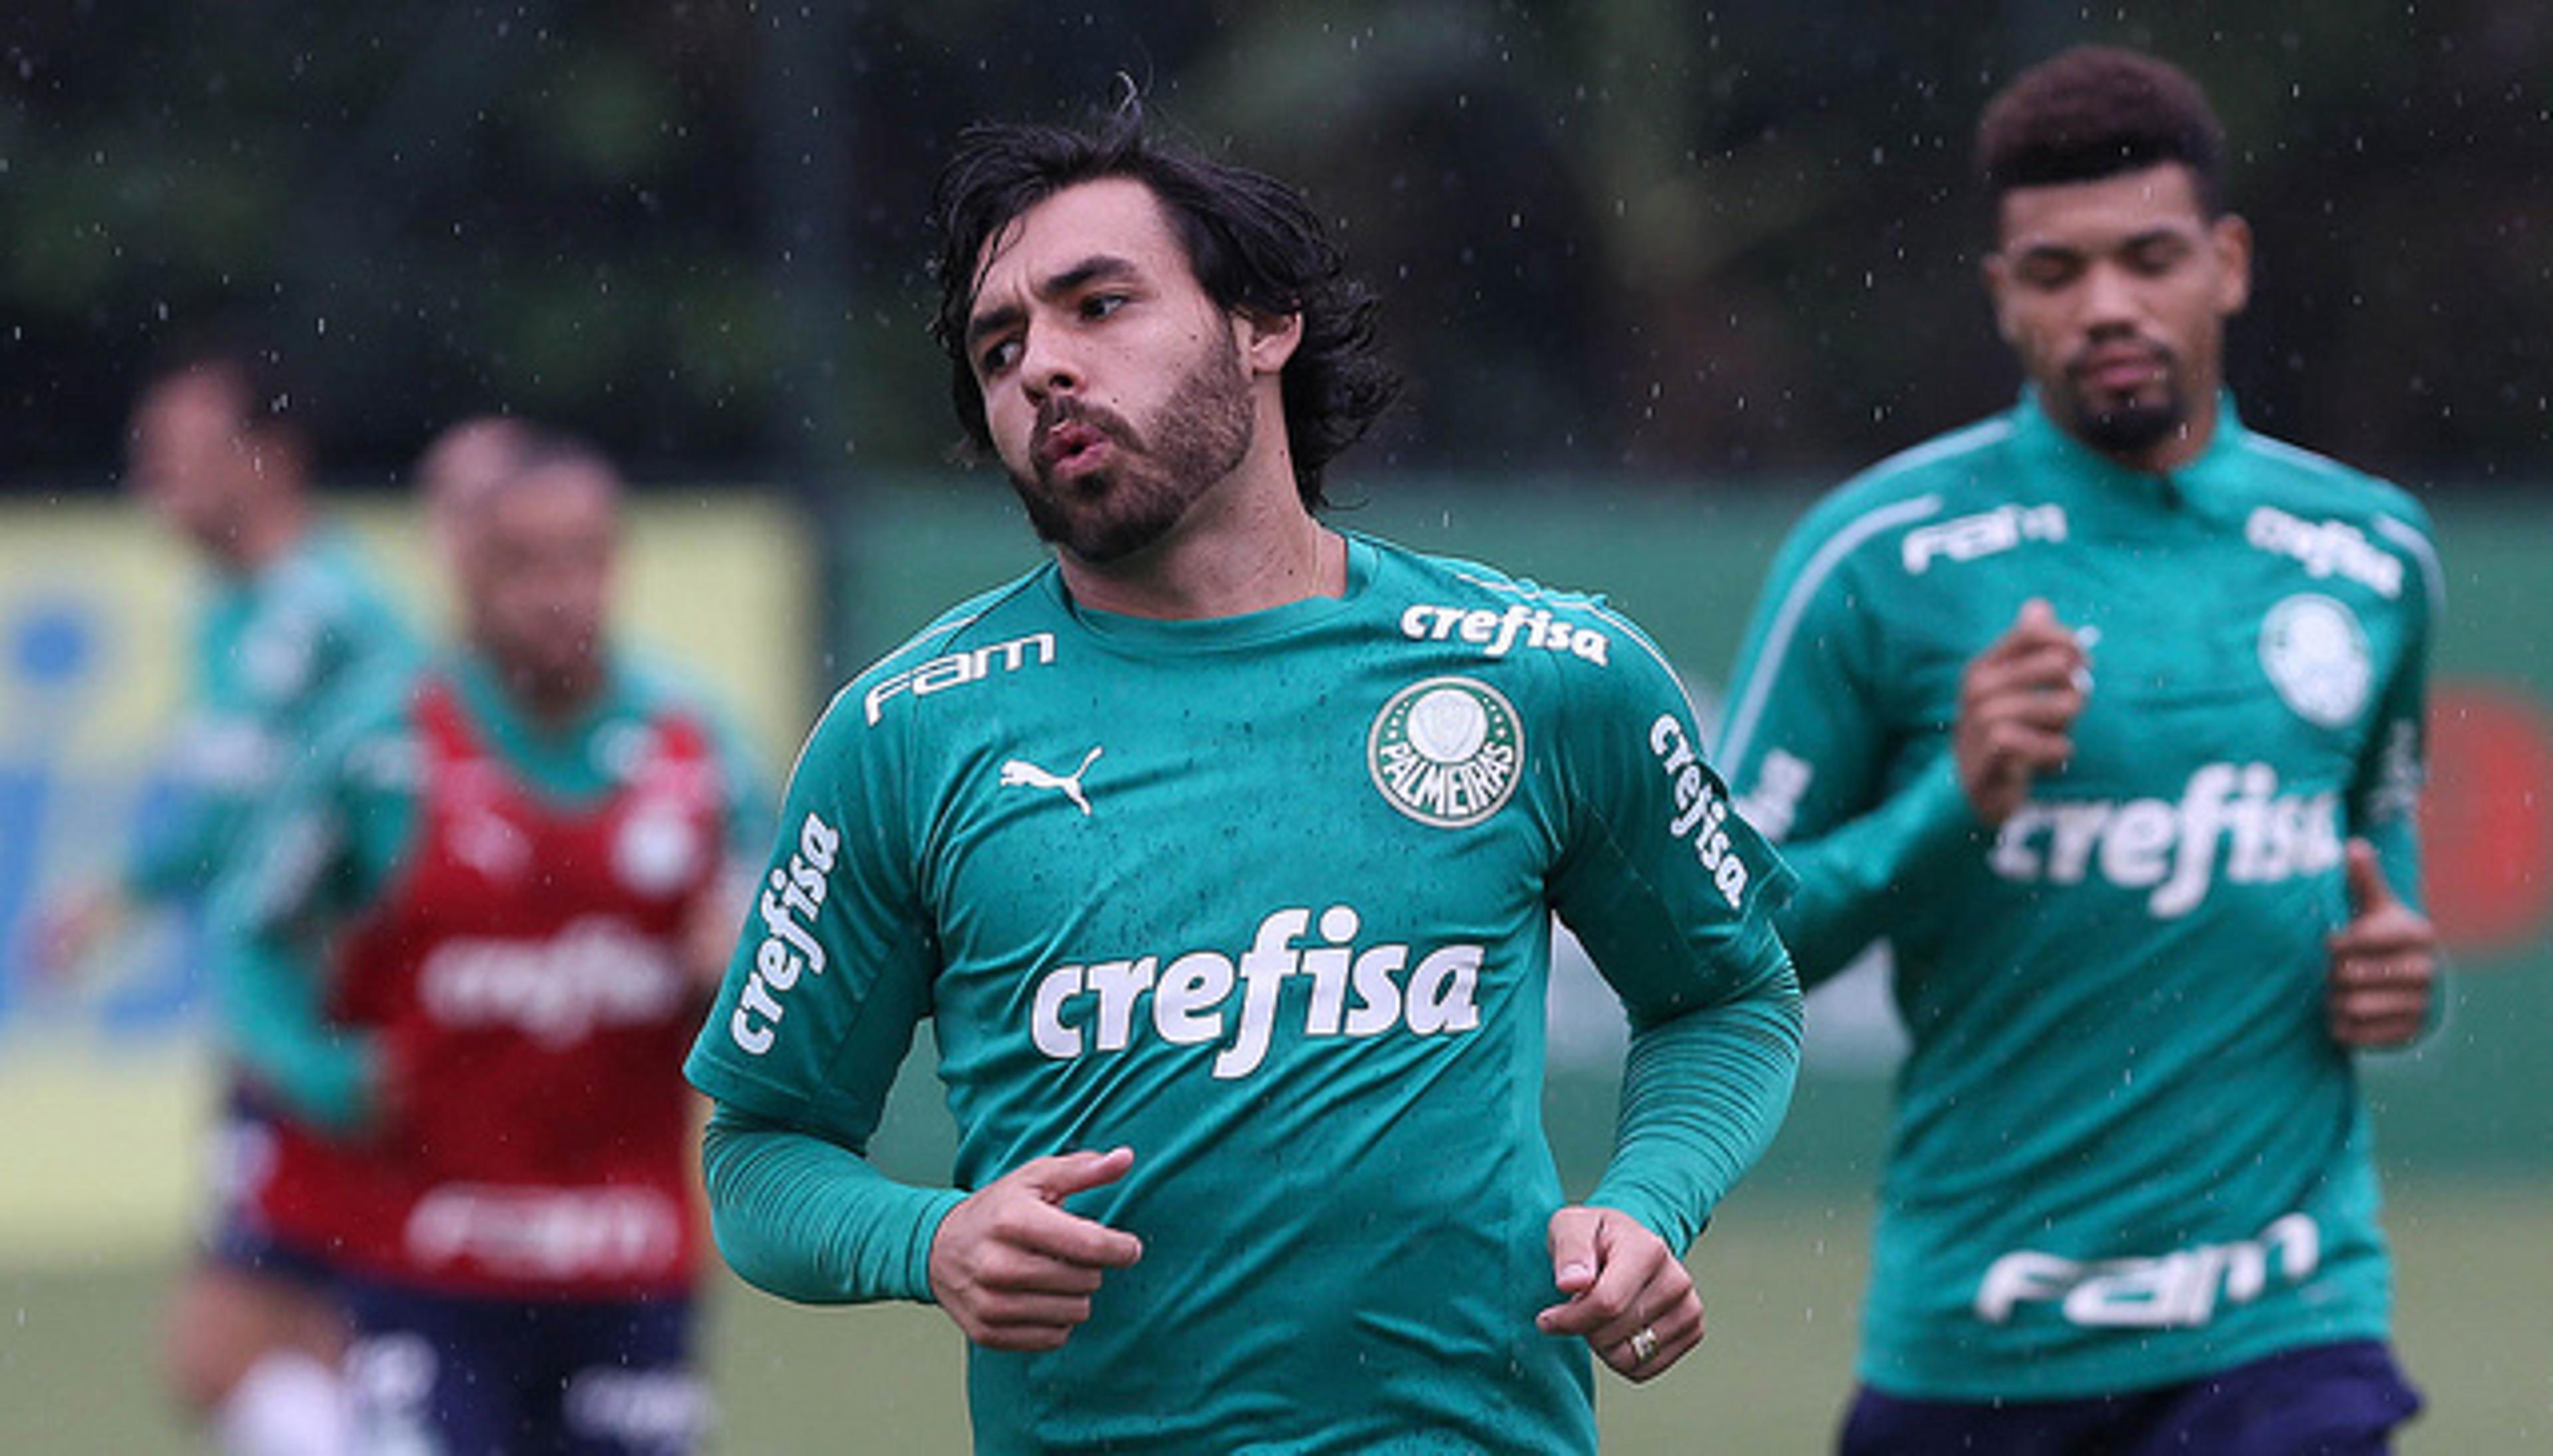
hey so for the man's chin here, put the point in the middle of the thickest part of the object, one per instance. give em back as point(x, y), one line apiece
point(1077, 516)
point(546, 679)
point(2127, 427)
point(1102, 543)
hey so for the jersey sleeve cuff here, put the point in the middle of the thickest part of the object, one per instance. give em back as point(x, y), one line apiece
point(931, 1206)
point(1676, 1229)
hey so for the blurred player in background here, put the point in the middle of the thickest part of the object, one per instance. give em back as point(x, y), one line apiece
point(474, 975)
point(2108, 713)
point(1222, 852)
point(220, 452)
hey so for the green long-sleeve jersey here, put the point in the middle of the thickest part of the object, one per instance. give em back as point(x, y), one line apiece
point(277, 654)
point(1266, 899)
point(2126, 1150)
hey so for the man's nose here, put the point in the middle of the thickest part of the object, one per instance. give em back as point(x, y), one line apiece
point(1047, 366)
point(2109, 298)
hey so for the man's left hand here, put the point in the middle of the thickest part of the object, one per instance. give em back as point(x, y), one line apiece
point(1629, 1297)
point(2384, 963)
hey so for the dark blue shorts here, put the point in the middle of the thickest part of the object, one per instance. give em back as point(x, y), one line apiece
point(452, 1373)
point(2324, 1401)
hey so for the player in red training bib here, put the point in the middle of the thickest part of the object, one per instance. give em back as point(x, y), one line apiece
point(472, 976)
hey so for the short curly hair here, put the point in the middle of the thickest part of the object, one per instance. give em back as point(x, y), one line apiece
point(2096, 111)
point(1254, 242)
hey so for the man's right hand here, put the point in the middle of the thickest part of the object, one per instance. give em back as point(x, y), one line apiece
point(2018, 701)
point(1013, 1268)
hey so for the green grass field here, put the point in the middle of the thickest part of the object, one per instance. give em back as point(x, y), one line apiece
point(1781, 1274)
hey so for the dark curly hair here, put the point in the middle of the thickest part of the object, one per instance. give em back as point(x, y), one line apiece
point(2093, 112)
point(1254, 242)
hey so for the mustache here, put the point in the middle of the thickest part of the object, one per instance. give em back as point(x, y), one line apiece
point(2079, 363)
point(1057, 413)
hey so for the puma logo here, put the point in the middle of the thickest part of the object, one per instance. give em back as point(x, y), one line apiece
point(1019, 773)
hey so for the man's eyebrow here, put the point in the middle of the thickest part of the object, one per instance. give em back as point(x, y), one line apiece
point(2045, 248)
point(2154, 235)
point(1094, 269)
point(2052, 248)
point(990, 322)
point(1088, 270)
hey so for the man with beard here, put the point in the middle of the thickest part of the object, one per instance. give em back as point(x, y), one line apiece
point(1222, 852)
point(2141, 854)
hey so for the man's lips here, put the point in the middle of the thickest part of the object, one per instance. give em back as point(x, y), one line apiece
point(1069, 443)
point(2120, 369)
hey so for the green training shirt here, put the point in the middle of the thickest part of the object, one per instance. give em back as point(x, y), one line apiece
point(1266, 899)
point(274, 652)
point(2126, 1150)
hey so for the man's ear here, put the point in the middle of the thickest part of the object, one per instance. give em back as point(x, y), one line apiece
point(1269, 340)
point(2231, 237)
point(1997, 276)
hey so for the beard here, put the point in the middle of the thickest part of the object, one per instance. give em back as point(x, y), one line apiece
point(2131, 428)
point(2127, 427)
point(1200, 436)
point(551, 666)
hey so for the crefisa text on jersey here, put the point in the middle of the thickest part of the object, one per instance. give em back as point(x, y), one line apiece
point(595, 971)
point(1702, 811)
point(1084, 1009)
point(2170, 848)
point(789, 949)
point(2326, 548)
point(1495, 633)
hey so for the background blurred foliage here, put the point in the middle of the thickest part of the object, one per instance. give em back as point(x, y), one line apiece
point(1621, 236)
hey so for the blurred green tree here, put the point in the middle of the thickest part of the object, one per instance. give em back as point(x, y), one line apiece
point(1616, 235)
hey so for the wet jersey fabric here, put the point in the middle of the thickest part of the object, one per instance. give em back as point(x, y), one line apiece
point(2126, 1150)
point(506, 950)
point(1267, 900)
point(275, 652)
